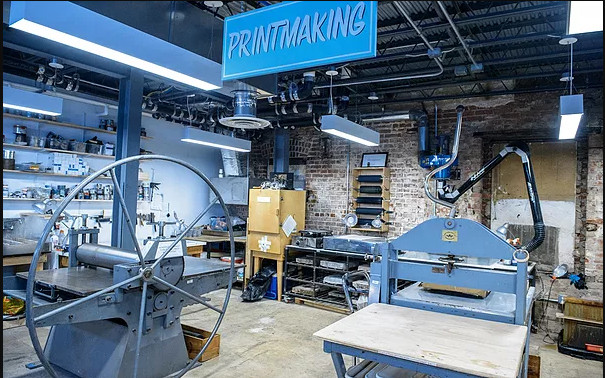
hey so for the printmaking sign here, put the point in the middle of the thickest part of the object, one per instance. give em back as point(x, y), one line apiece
point(298, 34)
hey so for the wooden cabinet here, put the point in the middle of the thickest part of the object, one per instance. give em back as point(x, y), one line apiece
point(371, 197)
point(268, 210)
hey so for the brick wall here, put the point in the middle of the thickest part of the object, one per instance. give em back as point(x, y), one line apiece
point(594, 214)
point(533, 116)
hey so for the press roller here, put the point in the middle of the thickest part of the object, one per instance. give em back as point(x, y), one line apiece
point(104, 256)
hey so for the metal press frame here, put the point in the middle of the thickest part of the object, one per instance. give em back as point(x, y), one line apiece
point(149, 271)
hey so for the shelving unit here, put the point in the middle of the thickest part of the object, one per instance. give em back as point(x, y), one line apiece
point(371, 197)
point(63, 124)
point(49, 150)
point(313, 274)
point(10, 171)
point(60, 199)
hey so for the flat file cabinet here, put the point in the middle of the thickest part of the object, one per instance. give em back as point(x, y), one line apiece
point(268, 211)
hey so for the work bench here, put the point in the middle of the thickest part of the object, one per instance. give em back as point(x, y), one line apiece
point(427, 342)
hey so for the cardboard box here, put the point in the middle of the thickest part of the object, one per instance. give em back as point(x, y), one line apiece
point(455, 289)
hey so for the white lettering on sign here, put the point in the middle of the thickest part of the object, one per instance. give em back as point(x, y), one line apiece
point(263, 199)
point(291, 33)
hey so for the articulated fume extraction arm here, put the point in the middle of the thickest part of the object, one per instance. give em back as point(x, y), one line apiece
point(519, 148)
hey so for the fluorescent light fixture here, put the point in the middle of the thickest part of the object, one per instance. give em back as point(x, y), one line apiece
point(585, 17)
point(571, 111)
point(335, 125)
point(197, 136)
point(78, 27)
point(18, 99)
point(386, 118)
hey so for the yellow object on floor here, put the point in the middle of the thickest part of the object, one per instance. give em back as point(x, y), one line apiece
point(12, 306)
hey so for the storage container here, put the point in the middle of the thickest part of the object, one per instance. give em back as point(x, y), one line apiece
point(93, 148)
point(76, 146)
point(196, 338)
point(272, 291)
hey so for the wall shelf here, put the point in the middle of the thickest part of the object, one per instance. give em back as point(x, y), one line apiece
point(371, 192)
point(10, 171)
point(60, 199)
point(63, 124)
point(49, 150)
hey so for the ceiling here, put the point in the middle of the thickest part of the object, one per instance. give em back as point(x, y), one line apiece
point(517, 43)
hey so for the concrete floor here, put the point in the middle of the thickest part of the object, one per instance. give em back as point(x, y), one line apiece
point(270, 339)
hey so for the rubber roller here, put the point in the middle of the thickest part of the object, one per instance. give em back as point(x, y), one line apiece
point(104, 256)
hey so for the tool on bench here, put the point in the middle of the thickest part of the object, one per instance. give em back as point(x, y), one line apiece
point(122, 306)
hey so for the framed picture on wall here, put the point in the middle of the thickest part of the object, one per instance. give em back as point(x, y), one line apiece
point(374, 159)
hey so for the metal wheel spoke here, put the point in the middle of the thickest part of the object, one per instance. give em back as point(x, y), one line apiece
point(33, 322)
point(131, 228)
point(188, 295)
point(86, 299)
point(140, 329)
point(182, 235)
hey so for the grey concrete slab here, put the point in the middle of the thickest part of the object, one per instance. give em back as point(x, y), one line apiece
point(269, 339)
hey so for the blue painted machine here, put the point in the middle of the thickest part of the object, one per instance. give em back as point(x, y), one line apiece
point(460, 253)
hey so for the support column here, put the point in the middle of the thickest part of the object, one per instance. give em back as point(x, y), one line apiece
point(281, 151)
point(128, 143)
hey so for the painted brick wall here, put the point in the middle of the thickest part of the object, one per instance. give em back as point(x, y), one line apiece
point(531, 115)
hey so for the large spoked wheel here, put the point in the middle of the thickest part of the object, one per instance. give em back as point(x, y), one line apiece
point(145, 276)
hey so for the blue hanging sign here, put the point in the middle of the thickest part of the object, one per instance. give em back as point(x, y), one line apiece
point(298, 34)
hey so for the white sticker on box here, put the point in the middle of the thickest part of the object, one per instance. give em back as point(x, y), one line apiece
point(289, 226)
point(263, 199)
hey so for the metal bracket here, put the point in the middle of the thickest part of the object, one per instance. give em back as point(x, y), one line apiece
point(451, 260)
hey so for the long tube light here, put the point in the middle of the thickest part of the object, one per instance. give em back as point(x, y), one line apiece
point(571, 109)
point(388, 118)
point(197, 136)
point(18, 99)
point(585, 17)
point(343, 128)
point(78, 27)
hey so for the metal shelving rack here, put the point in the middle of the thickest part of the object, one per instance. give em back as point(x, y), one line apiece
point(314, 274)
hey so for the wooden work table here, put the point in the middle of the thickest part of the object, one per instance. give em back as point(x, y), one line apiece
point(216, 239)
point(425, 341)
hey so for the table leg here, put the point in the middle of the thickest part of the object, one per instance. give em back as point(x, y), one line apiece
point(248, 267)
point(256, 265)
point(280, 279)
point(339, 364)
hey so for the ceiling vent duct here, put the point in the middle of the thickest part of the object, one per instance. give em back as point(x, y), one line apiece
point(244, 112)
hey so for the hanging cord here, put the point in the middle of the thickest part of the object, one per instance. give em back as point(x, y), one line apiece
point(331, 98)
point(570, 68)
point(544, 310)
point(189, 112)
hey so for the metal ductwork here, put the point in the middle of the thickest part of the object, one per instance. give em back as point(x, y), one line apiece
point(244, 112)
point(294, 92)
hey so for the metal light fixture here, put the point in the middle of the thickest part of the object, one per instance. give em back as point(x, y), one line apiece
point(343, 128)
point(571, 111)
point(560, 271)
point(18, 99)
point(100, 35)
point(502, 231)
point(197, 136)
point(213, 4)
point(585, 17)
point(571, 107)
point(332, 71)
point(388, 118)
point(372, 96)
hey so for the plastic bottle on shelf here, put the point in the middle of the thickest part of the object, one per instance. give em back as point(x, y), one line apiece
point(54, 240)
point(61, 240)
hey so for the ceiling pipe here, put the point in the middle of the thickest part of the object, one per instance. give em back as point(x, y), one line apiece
point(433, 51)
point(455, 28)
